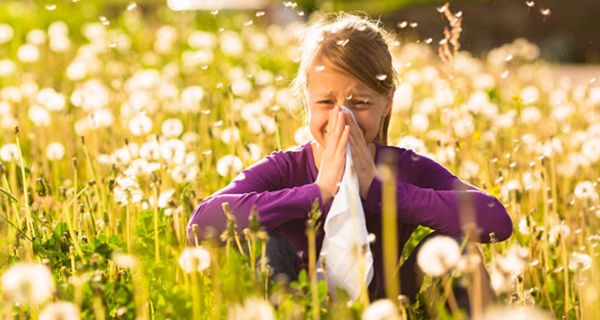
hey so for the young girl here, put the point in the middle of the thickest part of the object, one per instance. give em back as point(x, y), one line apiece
point(347, 62)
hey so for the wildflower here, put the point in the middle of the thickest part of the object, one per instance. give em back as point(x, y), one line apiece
point(191, 97)
point(515, 313)
point(230, 43)
point(579, 261)
point(9, 152)
point(7, 67)
point(230, 135)
point(590, 149)
point(55, 151)
point(586, 190)
point(127, 190)
point(184, 173)
point(140, 124)
point(28, 53)
point(438, 255)
point(252, 309)
point(39, 116)
point(558, 230)
point(51, 99)
point(173, 151)
point(229, 163)
point(27, 283)
point(172, 128)
point(61, 310)
point(165, 197)
point(194, 259)
point(123, 260)
point(6, 33)
point(382, 309)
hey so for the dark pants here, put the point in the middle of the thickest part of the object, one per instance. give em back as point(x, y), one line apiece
point(282, 259)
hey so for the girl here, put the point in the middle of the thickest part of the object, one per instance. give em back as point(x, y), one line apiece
point(347, 62)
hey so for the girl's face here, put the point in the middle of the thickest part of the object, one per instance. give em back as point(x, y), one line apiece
point(328, 86)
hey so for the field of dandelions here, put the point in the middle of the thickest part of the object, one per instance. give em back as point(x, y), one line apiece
point(115, 125)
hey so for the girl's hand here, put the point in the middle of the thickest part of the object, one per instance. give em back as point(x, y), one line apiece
point(333, 158)
point(364, 165)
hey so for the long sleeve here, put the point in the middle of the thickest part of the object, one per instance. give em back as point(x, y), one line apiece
point(264, 184)
point(436, 197)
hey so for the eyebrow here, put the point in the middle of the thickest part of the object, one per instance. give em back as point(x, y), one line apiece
point(359, 93)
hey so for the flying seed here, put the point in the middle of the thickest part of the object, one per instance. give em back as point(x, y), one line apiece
point(530, 3)
point(381, 77)
point(402, 24)
point(545, 12)
point(131, 6)
point(51, 7)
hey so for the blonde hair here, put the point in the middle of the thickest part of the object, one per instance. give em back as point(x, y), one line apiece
point(357, 46)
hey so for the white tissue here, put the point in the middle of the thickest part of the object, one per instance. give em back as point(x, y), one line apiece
point(345, 235)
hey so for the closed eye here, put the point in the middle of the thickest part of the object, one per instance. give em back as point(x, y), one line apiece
point(325, 102)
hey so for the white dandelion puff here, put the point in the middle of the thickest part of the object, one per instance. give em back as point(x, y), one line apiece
point(140, 124)
point(194, 259)
point(252, 309)
point(28, 283)
point(382, 309)
point(438, 255)
point(55, 151)
point(9, 152)
point(61, 310)
point(172, 128)
point(229, 164)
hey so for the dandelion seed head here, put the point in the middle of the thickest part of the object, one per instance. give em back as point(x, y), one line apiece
point(6, 33)
point(194, 259)
point(55, 151)
point(381, 309)
point(61, 310)
point(28, 283)
point(438, 255)
point(123, 260)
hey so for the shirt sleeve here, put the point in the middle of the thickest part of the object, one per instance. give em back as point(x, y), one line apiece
point(439, 200)
point(262, 185)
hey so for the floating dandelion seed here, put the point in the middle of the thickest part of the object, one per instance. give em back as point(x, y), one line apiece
point(545, 12)
point(260, 13)
point(413, 24)
point(459, 14)
point(530, 3)
point(131, 6)
point(112, 45)
point(301, 13)
point(428, 40)
point(402, 24)
point(504, 74)
point(342, 42)
point(349, 97)
point(443, 42)
point(443, 8)
point(214, 12)
point(104, 21)
point(592, 80)
point(51, 7)
point(289, 4)
point(381, 77)
point(508, 58)
point(319, 68)
point(248, 23)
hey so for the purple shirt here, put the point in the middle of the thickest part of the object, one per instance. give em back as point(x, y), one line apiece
point(282, 186)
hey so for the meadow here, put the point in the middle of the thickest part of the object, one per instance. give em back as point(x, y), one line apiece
point(115, 124)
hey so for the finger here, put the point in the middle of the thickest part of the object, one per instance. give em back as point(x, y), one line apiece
point(344, 139)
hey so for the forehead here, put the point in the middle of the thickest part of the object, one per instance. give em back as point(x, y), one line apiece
point(323, 77)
